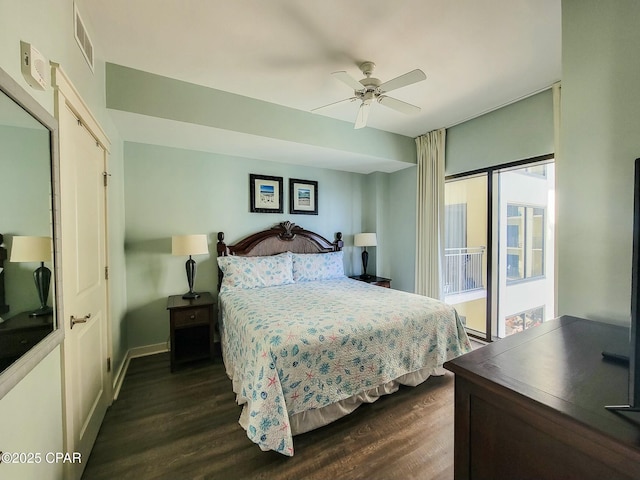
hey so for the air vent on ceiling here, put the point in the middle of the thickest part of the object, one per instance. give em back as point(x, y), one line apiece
point(82, 37)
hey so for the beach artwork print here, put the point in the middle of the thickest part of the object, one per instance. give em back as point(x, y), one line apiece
point(303, 196)
point(265, 194)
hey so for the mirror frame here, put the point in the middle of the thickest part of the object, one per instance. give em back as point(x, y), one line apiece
point(19, 369)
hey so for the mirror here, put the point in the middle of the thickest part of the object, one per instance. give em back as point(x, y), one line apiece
point(28, 212)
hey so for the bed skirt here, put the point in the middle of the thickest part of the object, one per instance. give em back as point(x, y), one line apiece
point(311, 419)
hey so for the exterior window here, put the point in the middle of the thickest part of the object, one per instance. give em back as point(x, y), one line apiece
point(525, 242)
point(498, 247)
point(539, 170)
point(523, 320)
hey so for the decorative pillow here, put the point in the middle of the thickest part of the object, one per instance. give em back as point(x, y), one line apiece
point(256, 272)
point(317, 266)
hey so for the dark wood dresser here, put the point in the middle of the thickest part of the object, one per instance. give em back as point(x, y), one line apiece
point(531, 406)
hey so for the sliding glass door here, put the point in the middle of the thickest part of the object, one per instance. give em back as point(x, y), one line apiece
point(465, 260)
point(525, 248)
point(498, 269)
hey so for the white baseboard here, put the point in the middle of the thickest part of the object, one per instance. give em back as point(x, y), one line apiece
point(135, 353)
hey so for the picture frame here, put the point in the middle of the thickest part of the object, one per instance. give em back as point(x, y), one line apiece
point(265, 194)
point(303, 196)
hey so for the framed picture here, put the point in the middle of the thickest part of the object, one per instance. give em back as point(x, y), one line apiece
point(265, 194)
point(303, 196)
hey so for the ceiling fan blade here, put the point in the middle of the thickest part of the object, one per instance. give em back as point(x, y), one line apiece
point(348, 79)
point(398, 105)
point(363, 114)
point(410, 78)
point(352, 99)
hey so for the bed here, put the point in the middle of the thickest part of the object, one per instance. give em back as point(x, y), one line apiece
point(305, 345)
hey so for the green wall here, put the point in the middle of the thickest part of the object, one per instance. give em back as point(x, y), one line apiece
point(170, 191)
point(31, 422)
point(25, 206)
point(31, 413)
point(48, 25)
point(401, 228)
point(599, 142)
point(518, 131)
point(198, 190)
point(144, 93)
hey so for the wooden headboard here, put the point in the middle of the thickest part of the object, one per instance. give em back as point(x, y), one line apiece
point(284, 237)
point(4, 308)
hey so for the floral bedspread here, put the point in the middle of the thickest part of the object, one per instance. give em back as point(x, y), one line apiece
point(296, 347)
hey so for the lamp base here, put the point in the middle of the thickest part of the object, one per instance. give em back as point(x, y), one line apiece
point(365, 260)
point(191, 276)
point(41, 311)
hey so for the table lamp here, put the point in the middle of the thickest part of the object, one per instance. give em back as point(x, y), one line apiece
point(190, 245)
point(365, 240)
point(35, 249)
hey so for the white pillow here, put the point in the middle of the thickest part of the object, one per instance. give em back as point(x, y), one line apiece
point(317, 266)
point(256, 272)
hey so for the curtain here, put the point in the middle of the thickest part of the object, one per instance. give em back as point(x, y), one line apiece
point(430, 213)
point(556, 89)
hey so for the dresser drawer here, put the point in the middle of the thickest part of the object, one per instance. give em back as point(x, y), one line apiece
point(190, 316)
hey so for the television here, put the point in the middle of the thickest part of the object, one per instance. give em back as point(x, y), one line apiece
point(633, 355)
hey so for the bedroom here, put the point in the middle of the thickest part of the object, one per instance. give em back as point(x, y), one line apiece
point(600, 94)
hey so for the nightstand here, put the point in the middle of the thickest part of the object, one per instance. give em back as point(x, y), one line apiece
point(18, 334)
point(373, 280)
point(192, 323)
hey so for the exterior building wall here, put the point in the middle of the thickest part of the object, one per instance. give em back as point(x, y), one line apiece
point(519, 296)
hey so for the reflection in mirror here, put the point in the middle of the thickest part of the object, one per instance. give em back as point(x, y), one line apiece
point(36, 249)
point(25, 211)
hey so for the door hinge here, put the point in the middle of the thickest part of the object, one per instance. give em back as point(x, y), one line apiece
point(105, 177)
point(108, 364)
point(106, 273)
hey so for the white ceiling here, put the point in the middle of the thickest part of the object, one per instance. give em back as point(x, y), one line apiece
point(478, 55)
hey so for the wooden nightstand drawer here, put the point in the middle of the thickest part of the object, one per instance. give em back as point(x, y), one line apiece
point(192, 323)
point(19, 334)
point(190, 316)
point(17, 343)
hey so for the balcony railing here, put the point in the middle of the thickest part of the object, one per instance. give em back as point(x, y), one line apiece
point(462, 269)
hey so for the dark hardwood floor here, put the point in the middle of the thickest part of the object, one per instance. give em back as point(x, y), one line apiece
point(185, 426)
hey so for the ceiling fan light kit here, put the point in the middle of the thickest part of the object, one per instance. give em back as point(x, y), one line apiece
point(370, 89)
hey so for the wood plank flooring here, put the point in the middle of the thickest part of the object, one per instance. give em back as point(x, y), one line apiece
point(185, 426)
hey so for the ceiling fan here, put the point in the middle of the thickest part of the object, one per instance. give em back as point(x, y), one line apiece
point(370, 89)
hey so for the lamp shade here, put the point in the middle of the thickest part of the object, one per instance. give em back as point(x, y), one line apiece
point(189, 245)
point(365, 240)
point(31, 249)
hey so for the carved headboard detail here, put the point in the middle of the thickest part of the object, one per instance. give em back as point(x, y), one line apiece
point(284, 237)
point(4, 308)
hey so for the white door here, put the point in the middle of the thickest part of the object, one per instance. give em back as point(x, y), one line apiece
point(86, 376)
